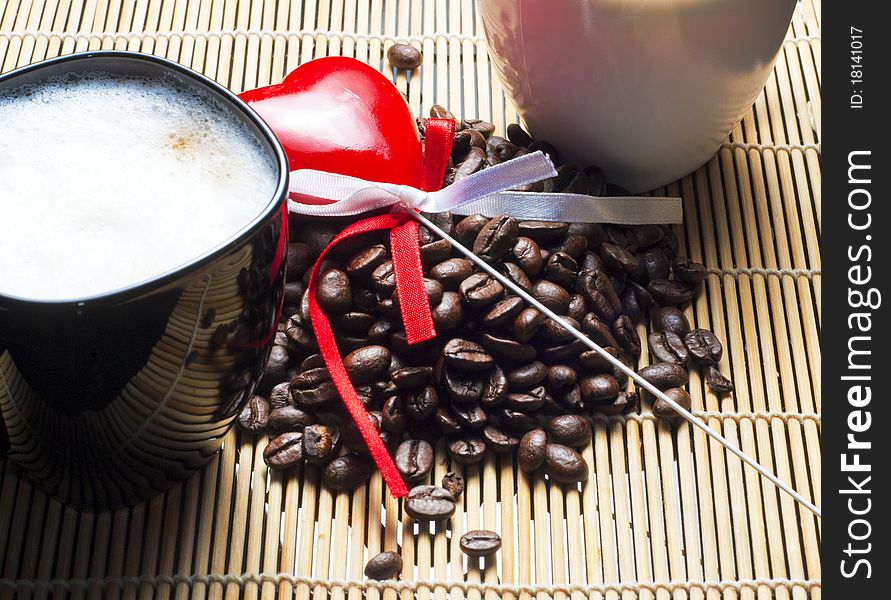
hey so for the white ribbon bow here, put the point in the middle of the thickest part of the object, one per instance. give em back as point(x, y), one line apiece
point(483, 192)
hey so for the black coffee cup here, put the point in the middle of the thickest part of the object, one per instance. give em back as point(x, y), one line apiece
point(110, 399)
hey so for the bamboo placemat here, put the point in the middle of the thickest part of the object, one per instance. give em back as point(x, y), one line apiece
point(665, 514)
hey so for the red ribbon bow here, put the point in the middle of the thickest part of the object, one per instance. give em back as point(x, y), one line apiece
point(416, 316)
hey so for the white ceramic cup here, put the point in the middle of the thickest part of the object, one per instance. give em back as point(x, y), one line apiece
point(645, 89)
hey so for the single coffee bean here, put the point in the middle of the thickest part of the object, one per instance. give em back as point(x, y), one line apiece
point(591, 262)
point(466, 451)
point(717, 381)
point(386, 565)
point(498, 441)
point(577, 308)
point(551, 295)
point(531, 451)
point(421, 405)
point(688, 271)
point(440, 112)
point(665, 375)
point(280, 395)
point(284, 451)
point(655, 265)
point(433, 289)
point(481, 290)
point(466, 355)
point(334, 291)
point(300, 258)
point(496, 238)
point(573, 244)
point(383, 278)
point(462, 386)
point(626, 334)
point(645, 236)
point(469, 415)
point(671, 293)
point(300, 334)
point(435, 252)
point(448, 313)
point(527, 253)
point(527, 376)
point(516, 275)
point(429, 503)
point(454, 483)
point(366, 261)
point(414, 459)
point(316, 397)
point(600, 294)
point(562, 352)
point(594, 362)
point(469, 227)
point(564, 465)
point(667, 346)
point(507, 348)
point(254, 417)
point(630, 305)
point(620, 375)
point(367, 364)
point(561, 376)
point(347, 472)
point(411, 379)
point(552, 333)
point(527, 324)
point(599, 331)
point(562, 269)
point(598, 388)
point(451, 272)
point(446, 423)
point(495, 388)
point(404, 57)
point(543, 232)
point(704, 347)
point(320, 443)
point(504, 312)
point(644, 298)
point(623, 402)
point(662, 409)
point(669, 318)
point(354, 323)
point(479, 543)
point(517, 421)
point(290, 418)
point(618, 258)
point(350, 436)
point(527, 402)
point(569, 430)
point(484, 127)
point(518, 135)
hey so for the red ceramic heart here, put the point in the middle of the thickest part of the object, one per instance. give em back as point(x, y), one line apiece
point(338, 114)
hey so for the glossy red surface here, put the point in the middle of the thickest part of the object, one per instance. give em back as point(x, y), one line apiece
point(338, 114)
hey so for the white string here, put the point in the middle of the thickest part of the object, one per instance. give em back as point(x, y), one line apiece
point(617, 363)
point(773, 147)
point(766, 271)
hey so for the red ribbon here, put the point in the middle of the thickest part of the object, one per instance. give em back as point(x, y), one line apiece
point(416, 316)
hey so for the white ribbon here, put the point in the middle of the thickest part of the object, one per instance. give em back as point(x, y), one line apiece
point(483, 192)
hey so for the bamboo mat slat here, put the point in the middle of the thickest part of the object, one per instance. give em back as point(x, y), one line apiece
point(666, 514)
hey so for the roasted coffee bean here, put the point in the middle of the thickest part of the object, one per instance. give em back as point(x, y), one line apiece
point(483, 127)
point(384, 388)
point(429, 503)
point(545, 148)
point(667, 346)
point(552, 333)
point(466, 451)
point(320, 443)
point(411, 379)
point(435, 252)
point(443, 220)
point(462, 386)
point(665, 375)
point(630, 306)
point(386, 565)
point(577, 308)
point(301, 334)
point(504, 312)
point(717, 381)
point(448, 313)
point(655, 264)
point(669, 318)
point(280, 395)
point(383, 278)
point(566, 351)
point(593, 232)
point(469, 415)
point(644, 297)
point(619, 374)
point(284, 451)
point(507, 348)
point(573, 244)
point(433, 289)
point(704, 347)
point(569, 430)
point(594, 362)
point(404, 57)
point(366, 261)
point(353, 323)
point(276, 364)
point(496, 238)
point(527, 254)
point(527, 376)
point(623, 402)
point(562, 269)
point(516, 275)
point(481, 290)
point(564, 465)
point(531, 451)
point(446, 423)
point(454, 483)
point(668, 292)
point(498, 441)
point(463, 141)
point(315, 397)
point(661, 408)
point(414, 459)
point(350, 436)
point(618, 258)
point(300, 258)
point(626, 334)
point(688, 271)
point(499, 150)
point(543, 232)
point(290, 418)
point(466, 355)
point(479, 543)
point(367, 364)
point(495, 389)
point(527, 324)
point(347, 472)
point(527, 402)
point(254, 417)
point(551, 295)
point(599, 331)
point(591, 262)
point(517, 421)
point(421, 405)
point(469, 228)
point(598, 388)
point(450, 273)
point(561, 376)
point(600, 294)
point(440, 112)
point(334, 291)
point(517, 135)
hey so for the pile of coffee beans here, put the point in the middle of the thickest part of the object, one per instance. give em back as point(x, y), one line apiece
point(500, 376)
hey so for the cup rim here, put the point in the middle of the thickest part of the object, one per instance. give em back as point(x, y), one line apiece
point(196, 264)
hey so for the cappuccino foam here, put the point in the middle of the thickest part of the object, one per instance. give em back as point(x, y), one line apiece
point(107, 181)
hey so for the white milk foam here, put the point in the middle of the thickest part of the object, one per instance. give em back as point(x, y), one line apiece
point(107, 181)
